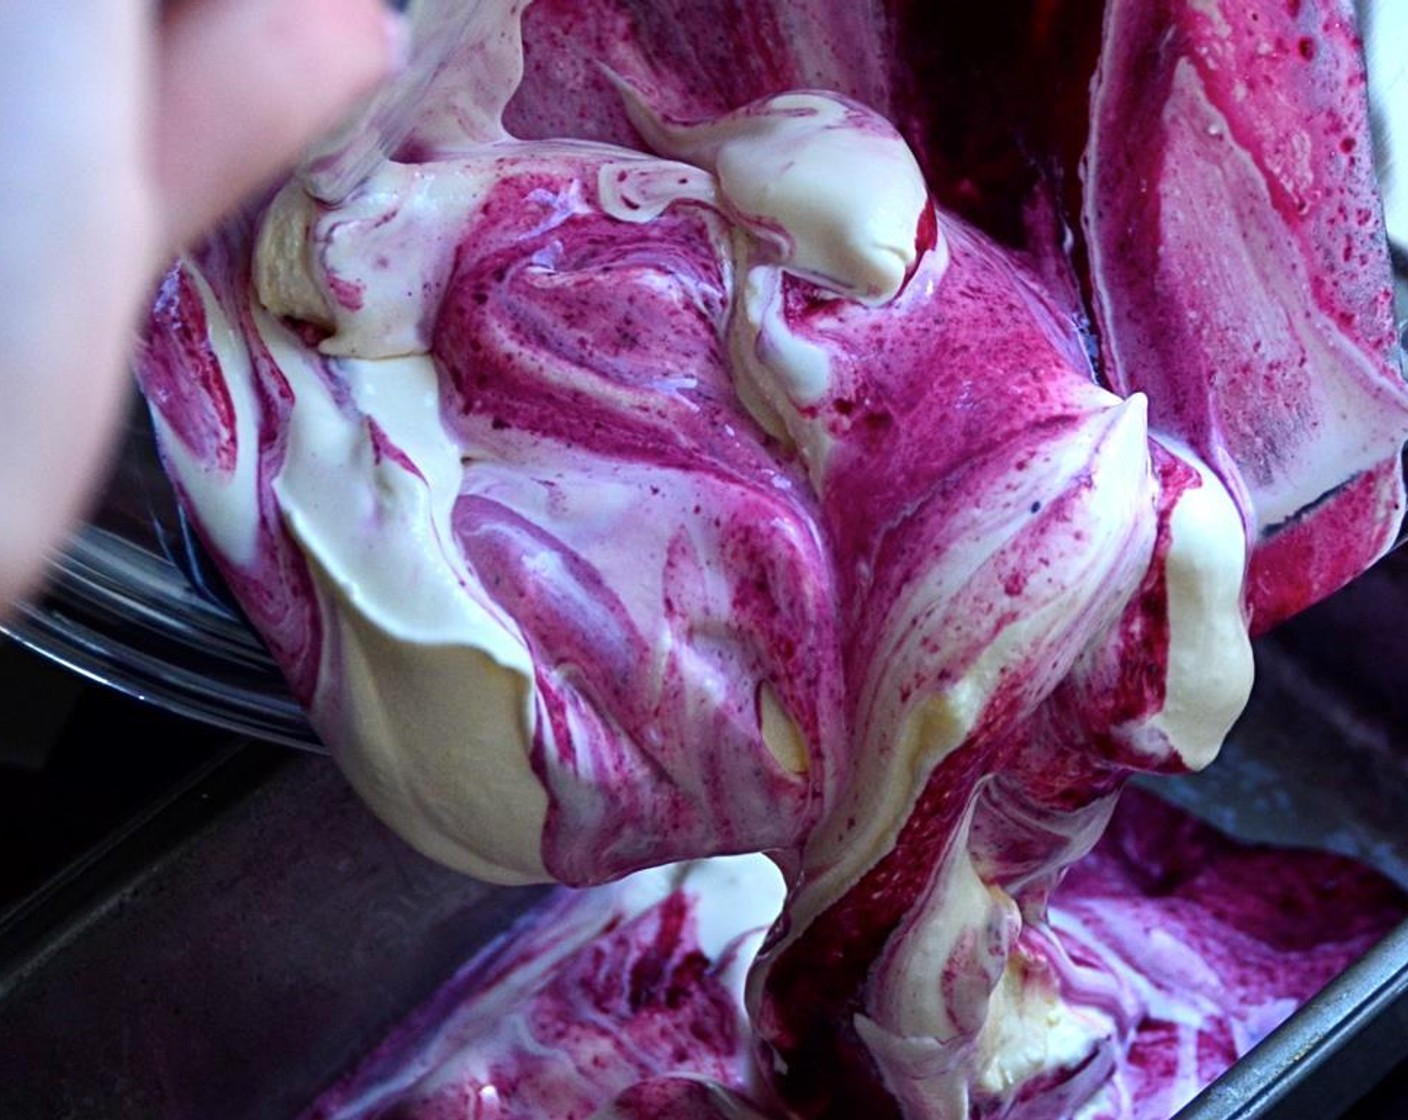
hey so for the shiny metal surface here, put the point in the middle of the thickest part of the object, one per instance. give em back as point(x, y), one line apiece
point(232, 955)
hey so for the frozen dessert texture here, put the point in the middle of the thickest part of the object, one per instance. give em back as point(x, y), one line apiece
point(630, 993)
point(691, 439)
point(1291, 399)
point(1211, 944)
point(625, 1002)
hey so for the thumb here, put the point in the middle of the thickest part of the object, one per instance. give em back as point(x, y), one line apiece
point(245, 85)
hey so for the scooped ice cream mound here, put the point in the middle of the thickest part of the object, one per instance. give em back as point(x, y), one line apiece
point(691, 441)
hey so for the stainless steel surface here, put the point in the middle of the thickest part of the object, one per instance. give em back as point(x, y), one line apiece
point(1326, 1057)
point(230, 955)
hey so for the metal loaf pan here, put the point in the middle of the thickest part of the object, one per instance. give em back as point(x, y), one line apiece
point(234, 953)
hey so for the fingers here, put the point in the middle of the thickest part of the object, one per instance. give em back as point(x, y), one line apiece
point(245, 85)
point(104, 171)
point(78, 244)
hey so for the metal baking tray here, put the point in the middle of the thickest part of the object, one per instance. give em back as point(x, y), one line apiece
point(234, 953)
point(228, 955)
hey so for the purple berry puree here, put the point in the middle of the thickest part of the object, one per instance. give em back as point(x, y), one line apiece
point(831, 429)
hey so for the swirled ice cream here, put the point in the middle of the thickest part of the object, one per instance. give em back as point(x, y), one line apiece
point(681, 447)
point(625, 1003)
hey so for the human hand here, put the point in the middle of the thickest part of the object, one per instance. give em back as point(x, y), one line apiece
point(126, 129)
